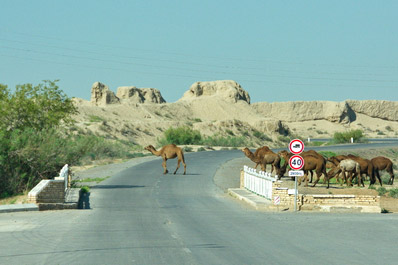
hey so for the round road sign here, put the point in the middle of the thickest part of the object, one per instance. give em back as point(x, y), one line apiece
point(296, 146)
point(296, 162)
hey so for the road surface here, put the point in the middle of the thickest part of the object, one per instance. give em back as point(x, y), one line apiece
point(141, 216)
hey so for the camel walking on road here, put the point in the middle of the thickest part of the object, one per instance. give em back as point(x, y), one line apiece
point(169, 151)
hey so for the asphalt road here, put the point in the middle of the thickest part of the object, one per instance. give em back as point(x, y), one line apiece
point(140, 216)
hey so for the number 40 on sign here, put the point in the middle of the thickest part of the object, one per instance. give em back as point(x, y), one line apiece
point(296, 162)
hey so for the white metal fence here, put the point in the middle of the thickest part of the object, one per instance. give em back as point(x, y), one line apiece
point(259, 183)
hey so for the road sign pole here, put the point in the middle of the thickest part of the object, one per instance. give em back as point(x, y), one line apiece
point(295, 193)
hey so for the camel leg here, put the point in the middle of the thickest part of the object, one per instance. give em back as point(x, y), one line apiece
point(185, 166)
point(178, 165)
point(391, 181)
point(390, 171)
point(311, 173)
point(165, 166)
point(378, 177)
point(318, 177)
point(349, 179)
point(299, 181)
point(306, 178)
point(359, 178)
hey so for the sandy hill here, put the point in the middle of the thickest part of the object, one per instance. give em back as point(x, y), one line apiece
point(223, 107)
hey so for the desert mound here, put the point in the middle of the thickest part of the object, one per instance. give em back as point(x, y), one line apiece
point(141, 115)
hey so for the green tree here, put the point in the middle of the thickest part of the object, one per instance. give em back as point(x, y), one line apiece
point(40, 107)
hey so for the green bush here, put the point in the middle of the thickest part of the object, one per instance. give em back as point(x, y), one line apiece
point(181, 135)
point(381, 191)
point(28, 156)
point(345, 137)
point(187, 149)
point(218, 140)
point(393, 193)
point(284, 139)
point(261, 136)
point(85, 189)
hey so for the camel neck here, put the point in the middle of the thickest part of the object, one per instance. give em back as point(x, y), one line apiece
point(156, 153)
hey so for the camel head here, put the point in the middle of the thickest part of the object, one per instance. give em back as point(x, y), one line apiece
point(246, 151)
point(149, 148)
point(283, 154)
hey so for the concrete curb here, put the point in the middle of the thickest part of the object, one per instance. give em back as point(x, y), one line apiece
point(259, 203)
point(27, 207)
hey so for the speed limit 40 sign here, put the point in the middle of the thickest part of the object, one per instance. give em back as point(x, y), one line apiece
point(296, 162)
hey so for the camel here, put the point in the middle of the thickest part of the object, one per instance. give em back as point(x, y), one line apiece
point(349, 166)
point(382, 163)
point(335, 160)
point(258, 154)
point(268, 158)
point(311, 162)
point(169, 151)
point(309, 152)
point(366, 167)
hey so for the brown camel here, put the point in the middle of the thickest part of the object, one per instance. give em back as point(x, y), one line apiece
point(335, 160)
point(311, 162)
point(268, 158)
point(309, 152)
point(169, 151)
point(258, 154)
point(383, 163)
point(366, 167)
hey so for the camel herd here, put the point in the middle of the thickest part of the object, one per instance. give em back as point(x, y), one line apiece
point(343, 167)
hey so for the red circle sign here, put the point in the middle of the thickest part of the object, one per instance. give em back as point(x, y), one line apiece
point(296, 146)
point(296, 162)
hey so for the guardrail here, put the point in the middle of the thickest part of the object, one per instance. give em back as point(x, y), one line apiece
point(259, 183)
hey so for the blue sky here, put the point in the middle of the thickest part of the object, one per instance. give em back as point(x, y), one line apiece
point(276, 50)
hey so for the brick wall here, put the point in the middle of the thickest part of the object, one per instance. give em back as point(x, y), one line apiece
point(325, 202)
point(48, 191)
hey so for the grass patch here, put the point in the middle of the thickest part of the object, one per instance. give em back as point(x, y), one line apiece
point(93, 179)
point(315, 143)
point(94, 118)
point(381, 191)
point(393, 193)
point(327, 154)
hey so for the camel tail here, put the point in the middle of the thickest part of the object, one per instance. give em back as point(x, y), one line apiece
point(390, 169)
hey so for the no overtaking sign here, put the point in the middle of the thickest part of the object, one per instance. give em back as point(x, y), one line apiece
point(296, 146)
